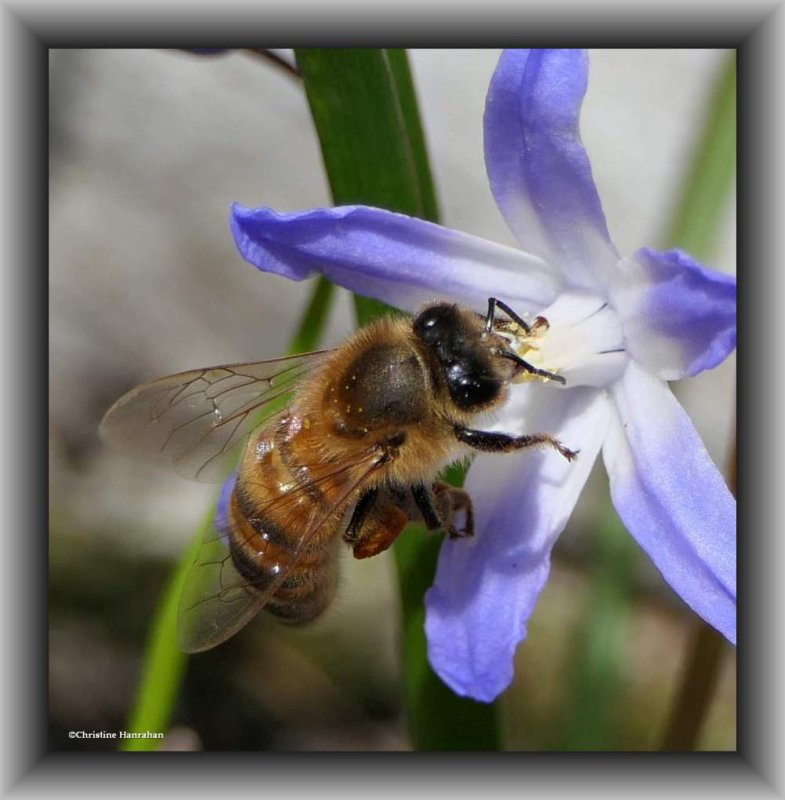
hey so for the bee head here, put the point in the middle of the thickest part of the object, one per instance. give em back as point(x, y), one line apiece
point(462, 352)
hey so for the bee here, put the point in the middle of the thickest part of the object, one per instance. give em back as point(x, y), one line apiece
point(345, 444)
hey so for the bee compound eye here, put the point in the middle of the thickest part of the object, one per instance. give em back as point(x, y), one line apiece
point(430, 322)
point(435, 322)
point(470, 387)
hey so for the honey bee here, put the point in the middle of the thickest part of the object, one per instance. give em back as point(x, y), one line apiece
point(346, 444)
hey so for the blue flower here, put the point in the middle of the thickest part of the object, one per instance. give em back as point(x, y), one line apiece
point(620, 327)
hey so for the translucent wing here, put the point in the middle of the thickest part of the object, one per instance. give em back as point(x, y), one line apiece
point(217, 600)
point(190, 422)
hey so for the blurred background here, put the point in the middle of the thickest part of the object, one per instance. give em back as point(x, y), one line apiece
point(147, 151)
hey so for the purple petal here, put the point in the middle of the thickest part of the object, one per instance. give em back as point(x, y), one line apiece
point(486, 587)
point(401, 260)
point(679, 318)
point(222, 516)
point(539, 172)
point(671, 497)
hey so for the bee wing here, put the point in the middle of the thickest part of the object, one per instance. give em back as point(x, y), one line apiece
point(217, 600)
point(191, 421)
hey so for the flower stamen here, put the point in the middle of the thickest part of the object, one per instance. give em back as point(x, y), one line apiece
point(576, 341)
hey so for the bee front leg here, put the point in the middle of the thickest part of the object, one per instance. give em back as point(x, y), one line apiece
point(493, 442)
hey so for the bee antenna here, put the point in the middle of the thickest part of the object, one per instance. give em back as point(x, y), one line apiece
point(493, 304)
point(542, 373)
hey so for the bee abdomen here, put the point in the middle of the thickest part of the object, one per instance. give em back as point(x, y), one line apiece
point(261, 550)
point(306, 592)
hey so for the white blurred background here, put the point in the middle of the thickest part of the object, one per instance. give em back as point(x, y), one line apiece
point(148, 150)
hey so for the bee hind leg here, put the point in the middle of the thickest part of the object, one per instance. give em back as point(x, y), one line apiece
point(377, 521)
point(424, 501)
point(442, 506)
point(359, 516)
point(381, 515)
point(456, 509)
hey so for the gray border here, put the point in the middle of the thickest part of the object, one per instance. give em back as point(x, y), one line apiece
point(27, 33)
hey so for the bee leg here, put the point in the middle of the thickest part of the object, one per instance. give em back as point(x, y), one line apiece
point(493, 442)
point(423, 498)
point(361, 511)
point(439, 506)
point(376, 523)
point(452, 501)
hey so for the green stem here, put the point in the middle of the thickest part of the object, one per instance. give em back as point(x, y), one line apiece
point(365, 111)
point(438, 719)
point(707, 185)
point(592, 724)
point(696, 691)
point(314, 320)
point(164, 664)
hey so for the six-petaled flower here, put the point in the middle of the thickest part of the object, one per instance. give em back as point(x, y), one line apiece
point(620, 327)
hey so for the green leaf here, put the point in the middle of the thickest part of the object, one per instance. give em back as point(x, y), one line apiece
point(163, 666)
point(372, 143)
point(708, 183)
point(366, 115)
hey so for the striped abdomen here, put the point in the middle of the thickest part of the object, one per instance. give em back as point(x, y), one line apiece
point(284, 515)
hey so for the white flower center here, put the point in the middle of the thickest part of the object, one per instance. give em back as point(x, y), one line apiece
point(582, 341)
